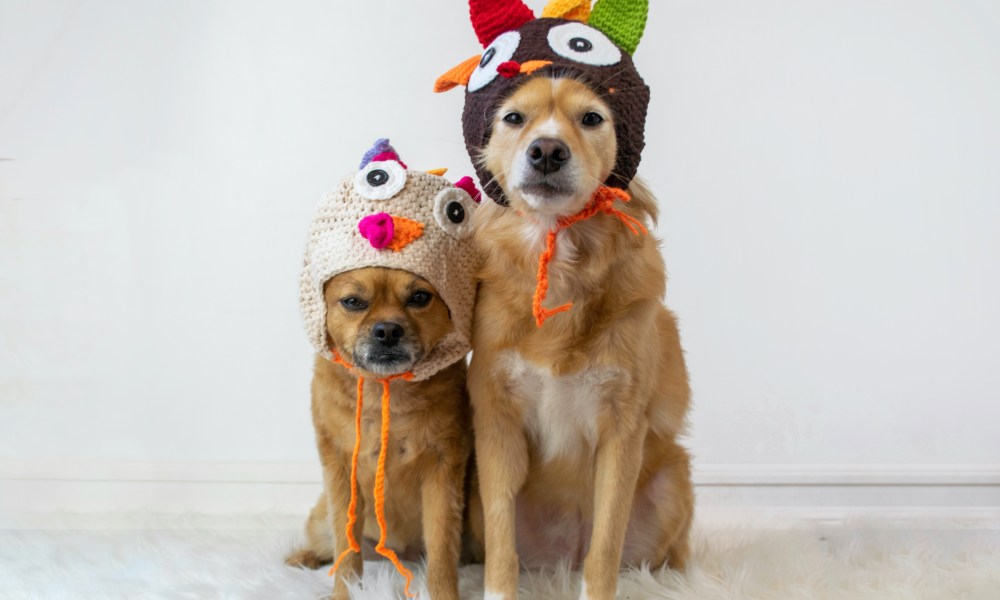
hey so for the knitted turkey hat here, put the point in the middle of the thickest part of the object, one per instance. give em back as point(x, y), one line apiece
point(387, 216)
point(570, 40)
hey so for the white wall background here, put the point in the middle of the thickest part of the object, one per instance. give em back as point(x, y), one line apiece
point(829, 173)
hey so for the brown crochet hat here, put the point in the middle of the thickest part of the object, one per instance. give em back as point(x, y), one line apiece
point(570, 40)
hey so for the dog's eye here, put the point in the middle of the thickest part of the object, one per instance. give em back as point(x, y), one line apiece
point(353, 304)
point(500, 51)
point(513, 118)
point(380, 180)
point(592, 119)
point(584, 44)
point(419, 299)
point(453, 212)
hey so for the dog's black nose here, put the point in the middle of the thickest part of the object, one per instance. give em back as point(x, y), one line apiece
point(387, 333)
point(548, 155)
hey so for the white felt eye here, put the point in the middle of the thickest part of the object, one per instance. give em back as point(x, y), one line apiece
point(500, 51)
point(380, 180)
point(453, 212)
point(581, 43)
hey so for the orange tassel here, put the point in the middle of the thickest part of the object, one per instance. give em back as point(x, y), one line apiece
point(602, 202)
point(352, 516)
point(352, 509)
point(542, 289)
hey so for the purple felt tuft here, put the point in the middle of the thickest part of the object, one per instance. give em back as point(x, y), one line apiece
point(381, 147)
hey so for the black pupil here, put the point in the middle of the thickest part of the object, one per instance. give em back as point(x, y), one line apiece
point(580, 44)
point(456, 213)
point(487, 57)
point(378, 177)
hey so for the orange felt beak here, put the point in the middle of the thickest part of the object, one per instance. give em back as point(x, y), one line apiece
point(405, 232)
point(460, 74)
point(529, 67)
point(438, 172)
point(383, 230)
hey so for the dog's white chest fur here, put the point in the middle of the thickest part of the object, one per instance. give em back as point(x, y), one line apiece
point(560, 413)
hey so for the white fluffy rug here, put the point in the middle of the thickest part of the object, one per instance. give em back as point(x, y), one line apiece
point(198, 557)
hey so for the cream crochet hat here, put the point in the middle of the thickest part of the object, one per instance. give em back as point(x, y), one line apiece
point(388, 216)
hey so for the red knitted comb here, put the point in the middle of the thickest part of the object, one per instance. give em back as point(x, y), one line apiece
point(490, 18)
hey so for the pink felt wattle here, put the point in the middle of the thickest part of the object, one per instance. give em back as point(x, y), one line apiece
point(377, 229)
point(469, 186)
point(389, 155)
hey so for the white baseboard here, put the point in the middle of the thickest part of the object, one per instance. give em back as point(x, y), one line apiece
point(822, 491)
point(826, 488)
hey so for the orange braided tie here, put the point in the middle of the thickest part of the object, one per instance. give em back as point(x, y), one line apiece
point(602, 202)
point(352, 516)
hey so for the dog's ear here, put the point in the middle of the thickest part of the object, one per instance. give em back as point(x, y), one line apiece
point(490, 18)
point(621, 20)
point(574, 10)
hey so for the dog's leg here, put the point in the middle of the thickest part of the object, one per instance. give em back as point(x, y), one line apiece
point(675, 510)
point(337, 480)
point(318, 550)
point(502, 462)
point(474, 535)
point(663, 509)
point(442, 497)
point(616, 470)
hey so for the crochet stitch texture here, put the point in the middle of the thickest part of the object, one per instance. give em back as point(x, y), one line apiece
point(575, 55)
point(442, 252)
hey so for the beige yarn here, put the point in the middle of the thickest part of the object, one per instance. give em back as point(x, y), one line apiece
point(443, 255)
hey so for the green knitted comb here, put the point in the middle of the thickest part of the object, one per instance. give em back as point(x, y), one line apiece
point(621, 20)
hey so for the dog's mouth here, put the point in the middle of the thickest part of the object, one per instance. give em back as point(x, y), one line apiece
point(547, 189)
point(551, 197)
point(386, 362)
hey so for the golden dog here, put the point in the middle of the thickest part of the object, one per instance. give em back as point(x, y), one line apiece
point(384, 321)
point(576, 421)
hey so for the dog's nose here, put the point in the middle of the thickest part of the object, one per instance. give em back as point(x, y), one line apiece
point(387, 333)
point(548, 155)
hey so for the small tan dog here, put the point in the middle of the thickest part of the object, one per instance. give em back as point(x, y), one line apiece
point(576, 421)
point(386, 319)
point(387, 292)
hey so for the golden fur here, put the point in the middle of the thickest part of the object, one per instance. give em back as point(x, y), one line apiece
point(576, 422)
point(430, 434)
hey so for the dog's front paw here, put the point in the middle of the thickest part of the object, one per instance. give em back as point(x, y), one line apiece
point(306, 559)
